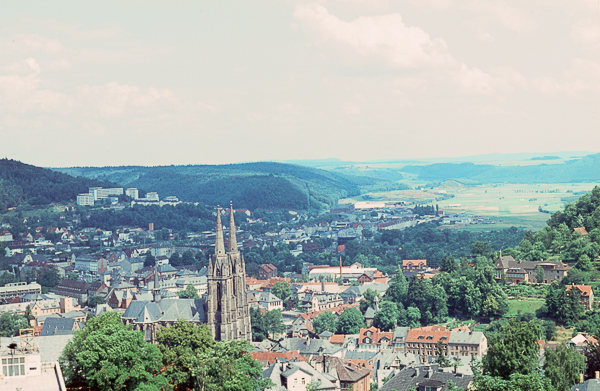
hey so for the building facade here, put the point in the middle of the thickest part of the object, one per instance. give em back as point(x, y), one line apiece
point(227, 311)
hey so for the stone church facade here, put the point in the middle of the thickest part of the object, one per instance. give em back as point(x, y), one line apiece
point(225, 310)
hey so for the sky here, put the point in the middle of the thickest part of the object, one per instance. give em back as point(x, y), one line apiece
point(212, 82)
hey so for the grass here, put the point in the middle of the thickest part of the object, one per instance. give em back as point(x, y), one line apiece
point(563, 334)
point(523, 306)
point(507, 204)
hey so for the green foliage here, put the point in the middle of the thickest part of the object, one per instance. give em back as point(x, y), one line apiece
point(514, 350)
point(350, 321)
point(324, 322)
point(540, 276)
point(283, 290)
point(190, 292)
point(387, 316)
point(110, 356)
point(562, 305)
point(515, 382)
point(149, 259)
point(49, 277)
point(95, 300)
point(274, 322)
point(26, 184)
point(441, 359)
point(563, 366)
point(73, 276)
point(259, 326)
point(368, 300)
point(249, 185)
point(179, 344)
point(10, 324)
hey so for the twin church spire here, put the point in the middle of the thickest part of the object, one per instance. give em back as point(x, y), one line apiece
point(228, 314)
point(220, 240)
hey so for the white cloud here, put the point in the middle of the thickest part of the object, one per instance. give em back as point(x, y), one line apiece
point(587, 32)
point(384, 37)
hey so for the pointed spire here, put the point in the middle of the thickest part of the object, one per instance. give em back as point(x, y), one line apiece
point(219, 242)
point(232, 236)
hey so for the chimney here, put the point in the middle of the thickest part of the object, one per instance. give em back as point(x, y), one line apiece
point(341, 268)
point(307, 341)
point(597, 374)
point(455, 369)
point(581, 378)
point(322, 283)
point(326, 363)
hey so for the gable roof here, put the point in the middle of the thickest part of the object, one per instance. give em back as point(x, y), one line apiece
point(413, 377)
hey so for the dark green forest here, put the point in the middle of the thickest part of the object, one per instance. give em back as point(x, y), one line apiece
point(586, 169)
point(22, 183)
point(249, 185)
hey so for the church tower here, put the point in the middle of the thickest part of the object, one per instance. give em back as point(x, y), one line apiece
point(228, 315)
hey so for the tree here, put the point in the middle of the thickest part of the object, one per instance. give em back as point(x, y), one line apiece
point(49, 277)
point(259, 326)
point(111, 356)
point(190, 292)
point(387, 316)
point(350, 321)
point(95, 300)
point(324, 322)
point(28, 314)
point(282, 289)
point(368, 300)
point(179, 344)
point(149, 259)
point(396, 291)
point(228, 367)
point(563, 366)
point(514, 350)
point(441, 359)
point(480, 248)
point(540, 276)
point(73, 276)
point(10, 324)
point(448, 264)
point(584, 263)
point(549, 329)
point(274, 322)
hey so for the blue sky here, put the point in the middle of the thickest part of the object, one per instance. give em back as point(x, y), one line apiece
point(196, 82)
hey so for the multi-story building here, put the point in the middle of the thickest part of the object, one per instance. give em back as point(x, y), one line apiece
point(467, 343)
point(76, 289)
point(414, 266)
point(99, 193)
point(267, 271)
point(85, 199)
point(133, 193)
point(519, 271)
point(423, 341)
point(19, 289)
point(373, 339)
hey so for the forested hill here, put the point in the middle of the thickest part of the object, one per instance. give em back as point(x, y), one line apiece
point(248, 185)
point(586, 169)
point(22, 183)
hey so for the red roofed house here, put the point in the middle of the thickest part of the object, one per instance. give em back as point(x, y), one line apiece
point(581, 230)
point(424, 340)
point(268, 358)
point(267, 271)
point(414, 265)
point(586, 295)
point(374, 339)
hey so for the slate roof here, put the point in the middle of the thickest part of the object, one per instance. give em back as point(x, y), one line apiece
point(58, 326)
point(401, 332)
point(166, 310)
point(315, 347)
point(413, 377)
point(465, 337)
point(588, 385)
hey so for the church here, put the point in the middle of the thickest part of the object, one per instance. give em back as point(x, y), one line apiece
point(225, 309)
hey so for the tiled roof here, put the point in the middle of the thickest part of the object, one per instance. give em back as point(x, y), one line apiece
point(374, 335)
point(585, 290)
point(428, 334)
point(413, 377)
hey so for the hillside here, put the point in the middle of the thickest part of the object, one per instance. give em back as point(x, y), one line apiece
point(248, 185)
point(586, 169)
point(22, 183)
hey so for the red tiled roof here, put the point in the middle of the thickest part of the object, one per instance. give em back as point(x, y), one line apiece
point(428, 334)
point(270, 357)
point(581, 230)
point(337, 339)
point(377, 335)
point(415, 262)
point(585, 290)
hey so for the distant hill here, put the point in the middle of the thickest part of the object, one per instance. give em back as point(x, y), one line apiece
point(22, 183)
point(585, 169)
point(248, 185)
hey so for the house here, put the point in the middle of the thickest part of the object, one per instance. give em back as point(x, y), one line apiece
point(414, 266)
point(399, 338)
point(373, 339)
point(351, 377)
point(318, 301)
point(312, 247)
point(467, 344)
point(267, 271)
point(426, 378)
point(297, 376)
point(585, 293)
point(269, 301)
point(76, 289)
point(268, 358)
point(310, 347)
point(6, 236)
point(60, 326)
point(515, 270)
point(424, 341)
point(352, 295)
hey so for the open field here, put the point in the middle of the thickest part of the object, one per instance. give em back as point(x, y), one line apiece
point(507, 204)
point(524, 306)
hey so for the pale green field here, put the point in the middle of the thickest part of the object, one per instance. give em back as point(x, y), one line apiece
point(509, 205)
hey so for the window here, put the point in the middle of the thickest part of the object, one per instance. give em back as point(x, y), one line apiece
point(296, 381)
point(303, 381)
